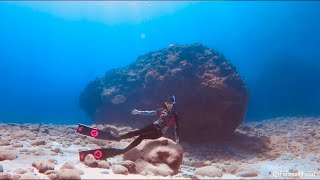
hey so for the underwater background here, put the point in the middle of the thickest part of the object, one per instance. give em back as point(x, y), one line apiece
point(49, 51)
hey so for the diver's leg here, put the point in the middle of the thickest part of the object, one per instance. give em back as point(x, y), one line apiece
point(111, 152)
point(154, 134)
point(137, 132)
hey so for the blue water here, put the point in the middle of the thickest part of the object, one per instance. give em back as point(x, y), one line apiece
point(49, 51)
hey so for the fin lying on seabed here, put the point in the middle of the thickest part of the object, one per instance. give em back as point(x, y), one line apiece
point(95, 133)
point(100, 154)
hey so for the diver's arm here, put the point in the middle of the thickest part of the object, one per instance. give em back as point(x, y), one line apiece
point(148, 112)
point(153, 112)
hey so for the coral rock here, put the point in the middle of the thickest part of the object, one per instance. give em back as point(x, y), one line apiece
point(53, 176)
point(210, 171)
point(104, 164)
point(38, 142)
point(90, 161)
point(246, 172)
point(130, 165)
point(68, 174)
point(43, 166)
point(67, 165)
point(156, 157)
point(119, 169)
point(16, 176)
point(20, 171)
point(29, 176)
point(4, 155)
point(232, 168)
point(5, 176)
point(57, 150)
point(5, 143)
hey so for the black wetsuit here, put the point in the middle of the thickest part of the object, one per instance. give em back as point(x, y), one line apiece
point(153, 131)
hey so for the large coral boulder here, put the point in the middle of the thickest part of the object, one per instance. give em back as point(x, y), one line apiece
point(161, 157)
point(211, 96)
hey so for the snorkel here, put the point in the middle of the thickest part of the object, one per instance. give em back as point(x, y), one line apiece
point(174, 99)
point(174, 103)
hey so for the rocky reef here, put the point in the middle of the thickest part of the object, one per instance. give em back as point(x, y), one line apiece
point(211, 97)
point(281, 148)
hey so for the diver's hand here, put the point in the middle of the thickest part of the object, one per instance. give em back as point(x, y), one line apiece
point(177, 141)
point(135, 111)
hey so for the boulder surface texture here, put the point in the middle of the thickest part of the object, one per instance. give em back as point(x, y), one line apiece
point(161, 157)
point(211, 97)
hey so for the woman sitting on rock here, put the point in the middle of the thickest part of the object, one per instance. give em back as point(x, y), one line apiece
point(167, 116)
